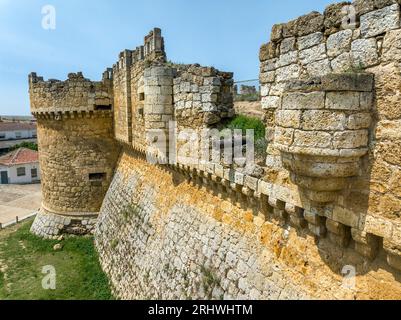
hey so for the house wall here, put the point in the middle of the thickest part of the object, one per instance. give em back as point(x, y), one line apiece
point(24, 134)
point(13, 177)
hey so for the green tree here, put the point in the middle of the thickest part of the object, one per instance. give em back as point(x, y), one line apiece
point(28, 145)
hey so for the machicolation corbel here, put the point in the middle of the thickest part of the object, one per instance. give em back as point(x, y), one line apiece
point(322, 131)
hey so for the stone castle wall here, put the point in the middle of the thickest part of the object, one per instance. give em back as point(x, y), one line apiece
point(325, 202)
point(311, 48)
point(162, 234)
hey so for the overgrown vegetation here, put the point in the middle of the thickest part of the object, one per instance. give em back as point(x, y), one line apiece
point(210, 280)
point(23, 255)
point(28, 145)
point(245, 123)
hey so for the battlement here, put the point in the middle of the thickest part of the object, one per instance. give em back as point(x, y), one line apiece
point(152, 49)
point(76, 94)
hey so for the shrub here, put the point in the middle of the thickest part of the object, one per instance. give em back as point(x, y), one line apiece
point(246, 123)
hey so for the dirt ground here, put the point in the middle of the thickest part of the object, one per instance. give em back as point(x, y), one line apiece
point(250, 109)
point(18, 200)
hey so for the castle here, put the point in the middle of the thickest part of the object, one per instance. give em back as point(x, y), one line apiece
point(321, 220)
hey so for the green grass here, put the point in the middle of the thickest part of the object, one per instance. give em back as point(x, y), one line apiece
point(23, 255)
point(245, 123)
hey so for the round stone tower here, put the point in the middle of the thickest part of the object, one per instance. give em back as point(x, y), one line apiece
point(77, 151)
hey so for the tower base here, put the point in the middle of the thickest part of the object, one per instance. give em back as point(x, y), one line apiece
point(50, 225)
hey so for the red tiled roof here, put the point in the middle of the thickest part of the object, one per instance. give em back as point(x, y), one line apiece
point(19, 156)
point(15, 126)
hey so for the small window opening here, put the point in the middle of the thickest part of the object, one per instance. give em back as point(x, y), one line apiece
point(140, 111)
point(21, 172)
point(142, 96)
point(34, 173)
point(102, 107)
point(97, 176)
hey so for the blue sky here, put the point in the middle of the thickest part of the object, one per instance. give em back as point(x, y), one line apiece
point(89, 35)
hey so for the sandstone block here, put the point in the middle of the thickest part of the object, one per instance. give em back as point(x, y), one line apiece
point(313, 54)
point(276, 203)
point(319, 68)
point(345, 216)
point(267, 77)
point(310, 23)
point(310, 40)
point(380, 21)
point(265, 52)
point(264, 187)
point(312, 217)
point(342, 100)
point(288, 118)
point(337, 228)
point(348, 82)
point(287, 59)
point(341, 63)
point(269, 65)
point(239, 178)
point(364, 53)
point(299, 100)
point(288, 72)
point(219, 170)
point(290, 29)
point(392, 46)
point(277, 89)
point(287, 45)
point(277, 32)
point(323, 120)
point(359, 121)
point(294, 210)
point(317, 139)
point(378, 226)
point(283, 136)
point(351, 139)
point(339, 42)
point(265, 90)
point(251, 183)
point(270, 102)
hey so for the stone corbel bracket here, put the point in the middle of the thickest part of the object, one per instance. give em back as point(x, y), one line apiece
point(322, 131)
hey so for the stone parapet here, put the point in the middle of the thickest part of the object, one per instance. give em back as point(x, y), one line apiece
point(76, 94)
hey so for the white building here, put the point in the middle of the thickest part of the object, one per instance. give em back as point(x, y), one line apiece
point(17, 130)
point(20, 166)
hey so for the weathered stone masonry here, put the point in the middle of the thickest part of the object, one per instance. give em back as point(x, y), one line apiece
point(329, 196)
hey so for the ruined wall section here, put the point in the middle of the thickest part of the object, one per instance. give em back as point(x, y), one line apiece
point(202, 96)
point(312, 47)
point(128, 87)
point(77, 151)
